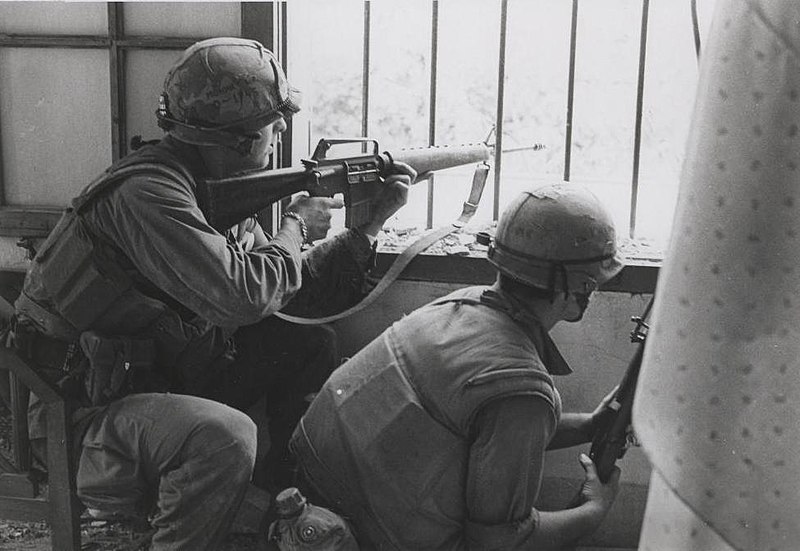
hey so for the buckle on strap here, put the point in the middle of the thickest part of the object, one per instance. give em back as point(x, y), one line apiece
point(49, 323)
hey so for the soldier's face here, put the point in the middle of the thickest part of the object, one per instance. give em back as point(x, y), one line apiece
point(264, 144)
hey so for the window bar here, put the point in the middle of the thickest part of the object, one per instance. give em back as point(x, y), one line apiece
point(282, 36)
point(258, 23)
point(432, 112)
point(3, 198)
point(637, 136)
point(573, 40)
point(116, 66)
point(498, 135)
point(365, 77)
point(695, 28)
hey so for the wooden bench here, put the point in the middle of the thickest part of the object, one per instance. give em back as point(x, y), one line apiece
point(22, 495)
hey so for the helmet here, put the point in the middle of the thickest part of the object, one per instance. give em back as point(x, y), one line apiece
point(557, 237)
point(221, 89)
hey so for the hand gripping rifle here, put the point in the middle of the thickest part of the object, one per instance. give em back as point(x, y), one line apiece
point(227, 201)
point(611, 438)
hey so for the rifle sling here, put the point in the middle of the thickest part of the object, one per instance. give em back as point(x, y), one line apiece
point(408, 254)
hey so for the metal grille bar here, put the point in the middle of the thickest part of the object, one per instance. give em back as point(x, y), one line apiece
point(432, 110)
point(695, 28)
point(501, 77)
point(637, 131)
point(365, 74)
point(573, 42)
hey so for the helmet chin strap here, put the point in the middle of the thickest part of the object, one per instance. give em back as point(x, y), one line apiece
point(558, 270)
point(196, 135)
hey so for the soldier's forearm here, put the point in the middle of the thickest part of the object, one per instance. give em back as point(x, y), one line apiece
point(573, 429)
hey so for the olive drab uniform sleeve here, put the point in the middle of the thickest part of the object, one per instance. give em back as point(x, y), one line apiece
point(158, 225)
point(335, 275)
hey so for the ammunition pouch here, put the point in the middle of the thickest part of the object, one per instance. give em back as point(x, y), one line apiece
point(116, 366)
point(53, 359)
point(92, 371)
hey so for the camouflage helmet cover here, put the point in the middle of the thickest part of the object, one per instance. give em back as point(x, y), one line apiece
point(222, 88)
point(556, 237)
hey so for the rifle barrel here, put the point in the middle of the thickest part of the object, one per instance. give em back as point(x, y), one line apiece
point(534, 147)
point(430, 159)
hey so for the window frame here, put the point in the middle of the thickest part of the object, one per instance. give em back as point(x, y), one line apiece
point(267, 23)
point(257, 22)
point(500, 102)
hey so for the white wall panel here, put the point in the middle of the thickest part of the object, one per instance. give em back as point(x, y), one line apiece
point(193, 19)
point(144, 78)
point(58, 18)
point(56, 122)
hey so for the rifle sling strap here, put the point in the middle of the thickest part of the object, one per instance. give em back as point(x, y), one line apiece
point(408, 254)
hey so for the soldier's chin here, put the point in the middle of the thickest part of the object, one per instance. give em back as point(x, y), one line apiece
point(578, 317)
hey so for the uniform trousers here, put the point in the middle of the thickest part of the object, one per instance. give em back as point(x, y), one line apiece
point(187, 460)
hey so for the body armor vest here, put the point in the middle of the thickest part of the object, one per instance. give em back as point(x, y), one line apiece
point(389, 433)
point(77, 281)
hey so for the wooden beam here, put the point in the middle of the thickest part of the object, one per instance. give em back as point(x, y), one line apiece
point(28, 221)
point(64, 517)
point(65, 41)
point(116, 69)
point(637, 277)
point(89, 41)
point(258, 22)
point(158, 42)
point(45, 390)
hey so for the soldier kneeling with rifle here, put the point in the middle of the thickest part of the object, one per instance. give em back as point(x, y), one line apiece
point(160, 325)
point(434, 435)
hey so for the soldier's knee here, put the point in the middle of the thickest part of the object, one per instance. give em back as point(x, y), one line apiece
point(244, 431)
point(234, 435)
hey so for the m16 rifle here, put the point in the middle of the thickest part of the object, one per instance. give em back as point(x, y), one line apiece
point(612, 434)
point(227, 201)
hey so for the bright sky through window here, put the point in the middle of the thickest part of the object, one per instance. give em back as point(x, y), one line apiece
point(326, 44)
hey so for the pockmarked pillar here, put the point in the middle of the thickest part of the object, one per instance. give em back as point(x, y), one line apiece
point(717, 406)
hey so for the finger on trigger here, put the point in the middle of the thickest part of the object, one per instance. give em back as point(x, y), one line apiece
point(406, 169)
point(398, 179)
